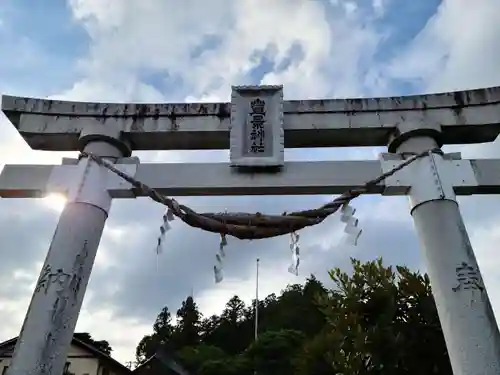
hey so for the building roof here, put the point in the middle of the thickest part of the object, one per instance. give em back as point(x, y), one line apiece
point(166, 360)
point(106, 359)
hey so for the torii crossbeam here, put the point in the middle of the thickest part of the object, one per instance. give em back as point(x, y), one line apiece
point(256, 126)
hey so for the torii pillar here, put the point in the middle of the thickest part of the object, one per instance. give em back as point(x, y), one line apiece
point(465, 313)
point(52, 315)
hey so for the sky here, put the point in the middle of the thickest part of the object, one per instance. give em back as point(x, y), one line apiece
point(194, 50)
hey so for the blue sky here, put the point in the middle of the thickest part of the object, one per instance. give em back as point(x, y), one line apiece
point(44, 41)
point(194, 50)
point(47, 42)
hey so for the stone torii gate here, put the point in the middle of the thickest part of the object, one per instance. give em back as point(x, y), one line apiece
point(256, 126)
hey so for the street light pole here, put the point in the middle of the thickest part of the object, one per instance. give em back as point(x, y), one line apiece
point(257, 300)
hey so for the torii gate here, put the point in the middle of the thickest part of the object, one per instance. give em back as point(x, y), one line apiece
point(256, 126)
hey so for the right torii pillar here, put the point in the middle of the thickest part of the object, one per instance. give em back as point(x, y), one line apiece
point(467, 319)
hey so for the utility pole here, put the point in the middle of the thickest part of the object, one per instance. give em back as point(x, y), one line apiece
point(257, 300)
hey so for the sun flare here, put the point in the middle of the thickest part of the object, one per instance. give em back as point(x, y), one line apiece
point(55, 202)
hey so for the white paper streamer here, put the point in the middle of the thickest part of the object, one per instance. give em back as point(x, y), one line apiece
point(295, 250)
point(351, 229)
point(165, 227)
point(219, 260)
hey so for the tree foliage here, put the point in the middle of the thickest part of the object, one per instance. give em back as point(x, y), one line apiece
point(373, 320)
point(101, 345)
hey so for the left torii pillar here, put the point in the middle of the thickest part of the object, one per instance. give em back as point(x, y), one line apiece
point(48, 328)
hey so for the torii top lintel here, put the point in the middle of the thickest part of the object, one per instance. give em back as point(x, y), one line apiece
point(464, 117)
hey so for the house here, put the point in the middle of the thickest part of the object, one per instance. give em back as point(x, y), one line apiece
point(161, 363)
point(83, 359)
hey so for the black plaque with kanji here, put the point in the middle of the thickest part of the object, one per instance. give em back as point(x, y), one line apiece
point(257, 126)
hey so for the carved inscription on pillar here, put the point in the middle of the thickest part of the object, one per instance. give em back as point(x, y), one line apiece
point(468, 278)
point(257, 126)
point(49, 277)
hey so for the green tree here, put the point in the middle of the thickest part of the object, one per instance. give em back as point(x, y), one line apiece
point(317, 355)
point(162, 335)
point(187, 330)
point(208, 326)
point(294, 303)
point(234, 310)
point(194, 357)
point(375, 320)
point(228, 330)
point(146, 348)
point(273, 353)
point(101, 345)
point(162, 326)
point(381, 322)
point(237, 365)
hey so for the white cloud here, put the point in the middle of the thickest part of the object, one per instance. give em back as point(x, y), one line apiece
point(379, 7)
point(128, 89)
point(453, 52)
point(270, 281)
point(333, 46)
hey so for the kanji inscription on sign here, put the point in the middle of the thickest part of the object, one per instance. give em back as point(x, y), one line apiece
point(257, 126)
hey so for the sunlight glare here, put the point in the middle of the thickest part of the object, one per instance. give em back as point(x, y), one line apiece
point(55, 201)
